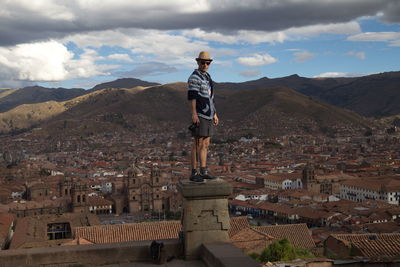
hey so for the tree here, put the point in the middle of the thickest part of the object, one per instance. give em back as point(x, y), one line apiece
point(282, 250)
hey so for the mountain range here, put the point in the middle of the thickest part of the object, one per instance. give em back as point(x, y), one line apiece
point(270, 107)
point(376, 95)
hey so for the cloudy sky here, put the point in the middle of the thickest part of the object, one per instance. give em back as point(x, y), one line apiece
point(80, 43)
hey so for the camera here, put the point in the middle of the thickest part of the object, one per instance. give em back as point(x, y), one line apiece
point(193, 127)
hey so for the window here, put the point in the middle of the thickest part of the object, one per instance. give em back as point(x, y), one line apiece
point(58, 231)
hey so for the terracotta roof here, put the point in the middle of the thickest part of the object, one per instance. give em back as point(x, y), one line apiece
point(282, 177)
point(32, 231)
point(386, 227)
point(297, 234)
point(98, 201)
point(375, 184)
point(238, 224)
point(77, 241)
point(129, 232)
point(373, 245)
point(251, 240)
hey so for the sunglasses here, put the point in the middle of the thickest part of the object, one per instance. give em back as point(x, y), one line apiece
point(202, 62)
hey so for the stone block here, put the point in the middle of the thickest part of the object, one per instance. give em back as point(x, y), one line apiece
point(205, 214)
point(194, 240)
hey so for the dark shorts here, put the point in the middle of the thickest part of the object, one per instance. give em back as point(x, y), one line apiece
point(204, 129)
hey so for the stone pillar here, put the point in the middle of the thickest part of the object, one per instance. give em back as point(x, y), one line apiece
point(205, 214)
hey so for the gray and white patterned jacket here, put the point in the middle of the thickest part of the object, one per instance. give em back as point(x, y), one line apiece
point(200, 87)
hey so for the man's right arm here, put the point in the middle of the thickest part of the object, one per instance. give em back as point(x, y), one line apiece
point(193, 94)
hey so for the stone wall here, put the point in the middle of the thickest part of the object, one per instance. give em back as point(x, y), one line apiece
point(86, 255)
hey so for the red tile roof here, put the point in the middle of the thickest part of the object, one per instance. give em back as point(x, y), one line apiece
point(129, 232)
point(373, 245)
point(98, 201)
point(251, 240)
point(238, 224)
point(297, 234)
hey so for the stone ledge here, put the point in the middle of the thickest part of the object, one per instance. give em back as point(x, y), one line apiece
point(87, 255)
point(221, 254)
point(216, 188)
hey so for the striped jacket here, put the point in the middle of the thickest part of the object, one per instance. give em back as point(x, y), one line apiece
point(200, 87)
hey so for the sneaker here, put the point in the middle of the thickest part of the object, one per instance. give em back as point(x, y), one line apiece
point(206, 175)
point(195, 177)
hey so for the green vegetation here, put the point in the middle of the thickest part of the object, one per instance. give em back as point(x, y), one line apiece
point(282, 250)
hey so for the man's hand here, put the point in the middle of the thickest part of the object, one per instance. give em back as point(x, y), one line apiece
point(195, 118)
point(216, 120)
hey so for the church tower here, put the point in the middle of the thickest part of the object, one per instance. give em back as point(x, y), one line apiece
point(135, 176)
point(79, 197)
point(66, 187)
point(308, 178)
point(156, 188)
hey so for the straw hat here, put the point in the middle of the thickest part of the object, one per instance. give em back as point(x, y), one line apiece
point(204, 55)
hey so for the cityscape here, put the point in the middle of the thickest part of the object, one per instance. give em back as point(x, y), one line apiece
point(63, 190)
point(200, 133)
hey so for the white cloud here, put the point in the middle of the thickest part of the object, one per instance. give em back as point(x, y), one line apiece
point(243, 36)
point(49, 19)
point(149, 69)
point(303, 56)
point(395, 43)
point(43, 61)
point(86, 66)
point(158, 44)
point(331, 28)
point(250, 73)
point(359, 55)
point(257, 60)
point(48, 61)
point(293, 33)
point(337, 75)
point(54, 10)
point(393, 38)
point(120, 57)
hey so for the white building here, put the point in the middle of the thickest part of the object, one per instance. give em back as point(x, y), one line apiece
point(383, 189)
point(282, 181)
point(257, 194)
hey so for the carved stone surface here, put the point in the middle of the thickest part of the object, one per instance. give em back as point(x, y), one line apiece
point(205, 214)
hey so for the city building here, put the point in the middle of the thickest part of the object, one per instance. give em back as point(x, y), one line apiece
point(382, 189)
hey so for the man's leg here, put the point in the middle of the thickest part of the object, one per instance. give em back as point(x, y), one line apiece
point(194, 155)
point(204, 143)
point(194, 176)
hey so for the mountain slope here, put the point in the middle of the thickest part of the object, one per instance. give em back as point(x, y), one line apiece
point(281, 110)
point(123, 83)
point(29, 115)
point(10, 98)
point(373, 96)
point(264, 111)
point(302, 85)
point(36, 94)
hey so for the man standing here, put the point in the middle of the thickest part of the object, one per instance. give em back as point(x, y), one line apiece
point(204, 116)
